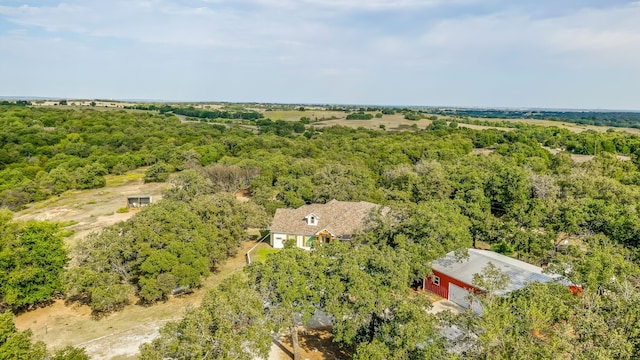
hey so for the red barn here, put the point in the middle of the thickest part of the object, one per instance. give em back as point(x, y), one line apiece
point(453, 276)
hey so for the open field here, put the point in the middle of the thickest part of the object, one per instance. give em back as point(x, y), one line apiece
point(393, 122)
point(566, 125)
point(397, 122)
point(295, 115)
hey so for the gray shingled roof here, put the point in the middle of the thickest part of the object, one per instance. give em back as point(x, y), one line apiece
point(341, 218)
point(518, 271)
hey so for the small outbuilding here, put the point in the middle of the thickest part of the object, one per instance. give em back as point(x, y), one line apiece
point(138, 201)
point(452, 276)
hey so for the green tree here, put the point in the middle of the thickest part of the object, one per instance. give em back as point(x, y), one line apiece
point(492, 281)
point(287, 282)
point(157, 172)
point(90, 176)
point(103, 292)
point(409, 332)
point(32, 259)
point(58, 181)
point(187, 185)
point(229, 324)
point(16, 344)
point(421, 233)
point(362, 284)
point(70, 353)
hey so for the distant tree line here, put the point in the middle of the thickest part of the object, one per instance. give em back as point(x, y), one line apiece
point(200, 113)
point(598, 118)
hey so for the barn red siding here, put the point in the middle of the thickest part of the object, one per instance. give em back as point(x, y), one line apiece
point(445, 280)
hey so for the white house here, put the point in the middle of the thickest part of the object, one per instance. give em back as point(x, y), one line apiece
point(319, 223)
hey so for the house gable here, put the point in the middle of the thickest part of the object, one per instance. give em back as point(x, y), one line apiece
point(312, 219)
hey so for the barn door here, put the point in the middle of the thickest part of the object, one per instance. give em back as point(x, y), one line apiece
point(459, 295)
point(462, 297)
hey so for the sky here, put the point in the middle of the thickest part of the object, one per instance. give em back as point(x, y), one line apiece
point(582, 54)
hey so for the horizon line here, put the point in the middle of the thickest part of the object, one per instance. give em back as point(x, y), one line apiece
point(462, 107)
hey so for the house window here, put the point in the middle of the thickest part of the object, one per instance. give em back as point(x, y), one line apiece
point(309, 241)
point(312, 219)
point(436, 280)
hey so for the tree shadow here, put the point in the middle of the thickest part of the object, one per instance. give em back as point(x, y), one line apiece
point(277, 342)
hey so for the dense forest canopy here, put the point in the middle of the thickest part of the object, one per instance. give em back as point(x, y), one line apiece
point(514, 197)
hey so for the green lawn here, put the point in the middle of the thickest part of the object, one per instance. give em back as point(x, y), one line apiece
point(130, 176)
point(261, 252)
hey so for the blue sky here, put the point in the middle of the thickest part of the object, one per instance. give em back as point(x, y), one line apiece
point(494, 53)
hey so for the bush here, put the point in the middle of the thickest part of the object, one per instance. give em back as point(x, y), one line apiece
point(158, 172)
point(359, 116)
point(413, 116)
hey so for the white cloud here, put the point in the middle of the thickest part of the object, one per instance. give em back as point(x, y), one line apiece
point(303, 48)
point(612, 33)
point(594, 35)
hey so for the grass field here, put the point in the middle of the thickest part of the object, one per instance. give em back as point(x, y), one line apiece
point(295, 115)
point(563, 125)
point(136, 175)
point(397, 122)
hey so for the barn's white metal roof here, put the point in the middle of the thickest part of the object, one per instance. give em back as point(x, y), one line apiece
point(464, 268)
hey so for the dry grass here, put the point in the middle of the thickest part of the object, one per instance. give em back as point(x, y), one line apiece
point(295, 115)
point(395, 122)
point(134, 176)
point(577, 128)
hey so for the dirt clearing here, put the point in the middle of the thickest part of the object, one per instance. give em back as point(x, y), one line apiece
point(93, 209)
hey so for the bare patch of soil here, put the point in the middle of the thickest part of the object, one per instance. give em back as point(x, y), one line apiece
point(315, 344)
point(482, 151)
point(583, 158)
point(243, 195)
